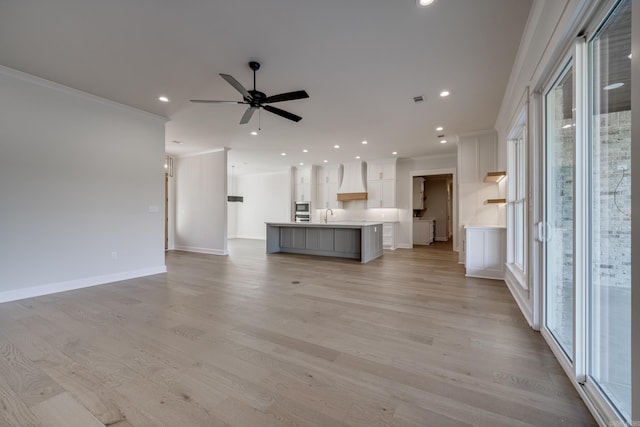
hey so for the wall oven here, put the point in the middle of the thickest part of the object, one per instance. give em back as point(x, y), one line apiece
point(302, 212)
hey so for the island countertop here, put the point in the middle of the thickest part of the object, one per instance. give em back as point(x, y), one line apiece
point(344, 239)
point(335, 224)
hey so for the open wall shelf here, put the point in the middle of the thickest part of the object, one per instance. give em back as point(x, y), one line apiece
point(495, 176)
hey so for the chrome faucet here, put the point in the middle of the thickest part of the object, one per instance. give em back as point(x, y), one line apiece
point(326, 213)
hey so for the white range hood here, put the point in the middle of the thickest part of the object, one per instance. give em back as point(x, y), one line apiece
point(354, 178)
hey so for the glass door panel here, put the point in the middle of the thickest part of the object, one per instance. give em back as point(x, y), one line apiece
point(559, 211)
point(610, 209)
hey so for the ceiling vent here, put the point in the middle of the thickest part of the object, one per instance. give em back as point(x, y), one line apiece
point(418, 99)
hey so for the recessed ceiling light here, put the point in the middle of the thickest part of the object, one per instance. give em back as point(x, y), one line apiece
point(301, 164)
point(326, 161)
point(283, 154)
point(305, 151)
point(443, 141)
point(163, 98)
point(425, 3)
point(254, 133)
point(357, 157)
point(336, 146)
point(444, 93)
point(394, 153)
point(613, 86)
point(364, 142)
point(439, 128)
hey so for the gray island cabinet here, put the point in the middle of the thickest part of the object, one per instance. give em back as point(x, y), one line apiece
point(355, 240)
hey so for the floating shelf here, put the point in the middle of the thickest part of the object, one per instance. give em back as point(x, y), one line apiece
point(495, 176)
point(497, 201)
point(346, 197)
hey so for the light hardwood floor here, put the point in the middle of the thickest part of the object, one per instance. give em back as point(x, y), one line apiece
point(281, 340)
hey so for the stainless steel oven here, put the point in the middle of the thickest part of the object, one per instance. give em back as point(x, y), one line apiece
point(302, 212)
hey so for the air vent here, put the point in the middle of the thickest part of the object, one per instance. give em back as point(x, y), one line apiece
point(418, 99)
point(235, 199)
point(440, 136)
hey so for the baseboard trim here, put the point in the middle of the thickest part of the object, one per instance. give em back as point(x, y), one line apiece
point(208, 251)
point(251, 236)
point(514, 287)
point(404, 246)
point(70, 285)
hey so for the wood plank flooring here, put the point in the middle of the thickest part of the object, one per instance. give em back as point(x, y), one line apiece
point(283, 340)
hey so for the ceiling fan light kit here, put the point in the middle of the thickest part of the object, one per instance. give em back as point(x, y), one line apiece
point(256, 99)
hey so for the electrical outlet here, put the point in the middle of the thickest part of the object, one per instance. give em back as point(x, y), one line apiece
point(114, 255)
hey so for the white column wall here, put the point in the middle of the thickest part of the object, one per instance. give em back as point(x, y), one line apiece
point(201, 203)
point(267, 198)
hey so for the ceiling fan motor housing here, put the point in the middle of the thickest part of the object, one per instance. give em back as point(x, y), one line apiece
point(258, 98)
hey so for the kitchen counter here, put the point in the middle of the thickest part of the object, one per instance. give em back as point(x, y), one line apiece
point(344, 239)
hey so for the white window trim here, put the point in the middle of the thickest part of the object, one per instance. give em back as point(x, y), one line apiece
point(520, 125)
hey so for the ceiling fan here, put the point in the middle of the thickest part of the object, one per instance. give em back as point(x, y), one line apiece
point(256, 99)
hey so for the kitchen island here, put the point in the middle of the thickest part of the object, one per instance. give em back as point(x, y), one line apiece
point(354, 240)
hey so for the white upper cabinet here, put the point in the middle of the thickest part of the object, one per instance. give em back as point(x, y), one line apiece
point(381, 184)
point(381, 169)
point(305, 188)
point(418, 192)
point(328, 180)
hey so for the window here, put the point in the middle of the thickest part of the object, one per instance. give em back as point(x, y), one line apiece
point(517, 199)
point(520, 202)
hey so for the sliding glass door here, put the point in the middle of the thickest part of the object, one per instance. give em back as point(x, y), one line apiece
point(586, 231)
point(609, 290)
point(559, 210)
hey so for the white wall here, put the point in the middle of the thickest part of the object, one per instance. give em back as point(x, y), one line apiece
point(201, 203)
point(267, 198)
point(81, 189)
point(405, 170)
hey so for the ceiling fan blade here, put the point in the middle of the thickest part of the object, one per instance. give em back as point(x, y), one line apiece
point(289, 96)
point(236, 84)
point(282, 113)
point(247, 115)
point(211, 101)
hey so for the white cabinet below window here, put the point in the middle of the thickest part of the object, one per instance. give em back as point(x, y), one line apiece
point(485, 251)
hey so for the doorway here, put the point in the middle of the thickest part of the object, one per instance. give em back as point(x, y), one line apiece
point(434, 199)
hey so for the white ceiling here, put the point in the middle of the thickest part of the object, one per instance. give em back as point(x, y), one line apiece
point(361, 61)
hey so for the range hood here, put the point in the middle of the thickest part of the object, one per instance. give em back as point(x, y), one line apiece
point(353, 185)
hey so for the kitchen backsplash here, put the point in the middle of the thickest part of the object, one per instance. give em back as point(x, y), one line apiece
point(357, 211)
